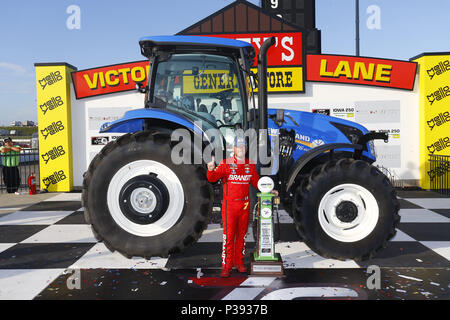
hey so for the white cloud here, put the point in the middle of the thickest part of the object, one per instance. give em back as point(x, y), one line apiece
point(15, 68)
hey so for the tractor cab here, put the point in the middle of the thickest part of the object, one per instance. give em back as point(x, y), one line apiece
point(205, 80)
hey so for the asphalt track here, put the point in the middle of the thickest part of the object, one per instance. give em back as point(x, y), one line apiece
point(47, 251)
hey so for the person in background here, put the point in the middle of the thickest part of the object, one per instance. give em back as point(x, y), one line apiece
point(10, 165)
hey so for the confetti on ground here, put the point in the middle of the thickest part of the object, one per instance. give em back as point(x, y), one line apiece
point(435, 284)
point(410, 278)
point(426, 293)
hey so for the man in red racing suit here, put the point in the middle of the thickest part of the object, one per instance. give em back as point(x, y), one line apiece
point(237, 173)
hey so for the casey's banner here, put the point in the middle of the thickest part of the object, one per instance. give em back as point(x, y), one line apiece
point(109, 79)
point(287, 51)
point(361, 70)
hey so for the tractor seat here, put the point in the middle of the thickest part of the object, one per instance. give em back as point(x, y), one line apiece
point(202, 108)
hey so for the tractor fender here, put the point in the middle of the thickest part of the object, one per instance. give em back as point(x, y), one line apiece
point(133, 121)
point(311, 154)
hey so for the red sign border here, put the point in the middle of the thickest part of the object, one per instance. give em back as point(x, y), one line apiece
point(365, 84)
point(101, 67)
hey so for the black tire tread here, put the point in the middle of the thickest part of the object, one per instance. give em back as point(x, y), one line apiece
point(159, 136)
point(302, 191)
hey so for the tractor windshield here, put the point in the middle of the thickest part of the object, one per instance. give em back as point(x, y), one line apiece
point(201, 86)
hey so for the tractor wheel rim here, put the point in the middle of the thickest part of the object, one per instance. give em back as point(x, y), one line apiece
point(348, 213)
point(143, 201)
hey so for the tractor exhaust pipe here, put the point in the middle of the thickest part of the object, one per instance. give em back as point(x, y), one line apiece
point(262, 79)
point(265, 157)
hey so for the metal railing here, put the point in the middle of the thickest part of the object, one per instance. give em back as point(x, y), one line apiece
point(29, 163)
point(392, 176)
point(440, 174)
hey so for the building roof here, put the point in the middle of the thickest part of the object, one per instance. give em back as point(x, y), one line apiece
point(241, 17)
point(192, 41)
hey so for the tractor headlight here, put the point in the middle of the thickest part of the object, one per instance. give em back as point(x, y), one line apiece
point(353, 134)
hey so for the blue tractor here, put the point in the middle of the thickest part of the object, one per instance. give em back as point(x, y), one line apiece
point(146, 194)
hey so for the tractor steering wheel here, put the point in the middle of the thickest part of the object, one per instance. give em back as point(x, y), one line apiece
point(222, 95)
point(234, 126)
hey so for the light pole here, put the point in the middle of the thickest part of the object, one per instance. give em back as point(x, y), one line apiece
point(357, 27)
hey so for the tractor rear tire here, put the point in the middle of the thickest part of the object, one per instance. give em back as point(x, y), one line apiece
point(139, 202)
point(347, 209)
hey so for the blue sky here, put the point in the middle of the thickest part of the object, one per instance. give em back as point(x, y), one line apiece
point(35, 31)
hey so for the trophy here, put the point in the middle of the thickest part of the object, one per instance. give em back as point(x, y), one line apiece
point(265, 261)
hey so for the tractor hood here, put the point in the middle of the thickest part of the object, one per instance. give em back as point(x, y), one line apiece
point(313, 130)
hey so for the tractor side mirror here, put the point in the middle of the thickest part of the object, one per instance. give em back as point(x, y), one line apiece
point(140, 87)
point(279, 117)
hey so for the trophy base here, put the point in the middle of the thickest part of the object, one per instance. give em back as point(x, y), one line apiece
point(267, 268)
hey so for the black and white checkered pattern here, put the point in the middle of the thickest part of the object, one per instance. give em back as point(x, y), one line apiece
point(41, 242)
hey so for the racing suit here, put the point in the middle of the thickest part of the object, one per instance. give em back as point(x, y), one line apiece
point(236, 177)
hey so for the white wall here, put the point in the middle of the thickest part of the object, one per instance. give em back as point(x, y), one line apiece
point(375, 108)
point(87, 116)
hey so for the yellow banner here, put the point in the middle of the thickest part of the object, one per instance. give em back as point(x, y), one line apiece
point(55, 130)
point(434, 113)
point(208, 81)
point(279, 79)
point(284, 79)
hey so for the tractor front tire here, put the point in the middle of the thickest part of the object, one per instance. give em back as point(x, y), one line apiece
point(139, 202)
point(346, 209)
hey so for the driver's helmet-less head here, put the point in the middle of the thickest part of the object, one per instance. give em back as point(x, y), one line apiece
point(239, 141)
